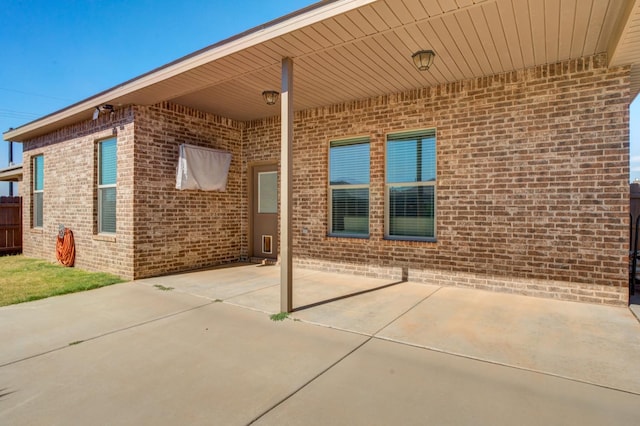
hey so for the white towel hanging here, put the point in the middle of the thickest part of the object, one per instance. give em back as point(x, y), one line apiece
point(201, 168)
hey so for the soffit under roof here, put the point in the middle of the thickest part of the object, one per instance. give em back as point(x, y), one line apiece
point(353, 49)
point(624, 44)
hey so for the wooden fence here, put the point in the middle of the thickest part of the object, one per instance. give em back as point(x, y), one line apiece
point(10, 225)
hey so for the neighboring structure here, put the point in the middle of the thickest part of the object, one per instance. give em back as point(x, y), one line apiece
point(502, 167)
point(12, 173)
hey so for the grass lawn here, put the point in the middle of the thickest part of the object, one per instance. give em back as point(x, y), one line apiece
point(23, 279)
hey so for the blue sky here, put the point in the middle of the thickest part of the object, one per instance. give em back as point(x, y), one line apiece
point(55, 53)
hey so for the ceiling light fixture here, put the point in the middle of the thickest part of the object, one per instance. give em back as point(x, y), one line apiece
point(270, 96)
point(423, 59)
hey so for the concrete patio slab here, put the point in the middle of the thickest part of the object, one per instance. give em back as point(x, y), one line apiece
point(227, 281)
point(384, 383)
point(590, 343)
point(132, 354)
point(322, 298)
point(33, 328)
point(220, 283)
point(310, 287)
point(346, 302)
point(369, 312)
point(217, 364)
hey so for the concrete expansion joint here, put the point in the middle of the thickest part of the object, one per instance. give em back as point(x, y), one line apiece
point(370, 337)
point(501, 364)
point(333, 327)
point(406, 311)
point(108, 333)
point(308, 382)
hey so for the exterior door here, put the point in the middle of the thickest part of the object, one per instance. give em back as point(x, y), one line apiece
point(265, 211)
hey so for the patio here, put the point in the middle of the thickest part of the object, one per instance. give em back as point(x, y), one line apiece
point(579, 341)
point(198, 348)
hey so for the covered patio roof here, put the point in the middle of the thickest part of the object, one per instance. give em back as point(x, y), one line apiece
point(353, 49)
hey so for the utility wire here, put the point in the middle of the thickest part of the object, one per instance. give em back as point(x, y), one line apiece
point(35, 94)
point(17, 114)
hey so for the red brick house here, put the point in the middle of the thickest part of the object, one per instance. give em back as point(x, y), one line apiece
point(503, 166)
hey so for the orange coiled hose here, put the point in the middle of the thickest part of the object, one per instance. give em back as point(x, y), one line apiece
point(65, 248)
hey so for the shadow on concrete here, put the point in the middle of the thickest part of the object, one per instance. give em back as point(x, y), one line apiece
point(346, 296)
point(4, 392)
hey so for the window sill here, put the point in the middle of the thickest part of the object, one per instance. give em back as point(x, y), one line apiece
point(38, 230)
point(356, 236)
point(411, 239)
point(411, 242)
point(105, 237)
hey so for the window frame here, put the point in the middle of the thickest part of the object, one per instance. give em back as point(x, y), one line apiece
point(427, 132)
point(274, 208)
point(101, 187)
point(330, 188)
point(38, 213)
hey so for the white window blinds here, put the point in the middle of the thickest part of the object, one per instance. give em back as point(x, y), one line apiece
point(38, 190)
point(349, 187)
point(107, 192)
point(411, 185)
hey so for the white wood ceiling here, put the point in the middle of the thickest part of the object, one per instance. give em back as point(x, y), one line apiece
point(366, 52)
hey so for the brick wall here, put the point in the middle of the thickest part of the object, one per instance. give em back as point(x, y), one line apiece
point(532, 185)
point(159, 229)
point(532, 182)
point(70, 193)
point(181, 230)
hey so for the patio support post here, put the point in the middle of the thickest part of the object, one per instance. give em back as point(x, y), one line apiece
point(286, 181)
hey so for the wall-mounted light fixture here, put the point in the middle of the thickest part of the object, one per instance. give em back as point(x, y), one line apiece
point(270, 96)
point(423, 59)
point(102, 108)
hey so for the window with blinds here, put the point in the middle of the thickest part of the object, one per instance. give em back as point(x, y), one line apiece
point(349, 188)
point(107, 171)
point(410, 187)
point(38, 190)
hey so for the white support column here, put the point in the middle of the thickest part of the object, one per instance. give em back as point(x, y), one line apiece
point(286, 183)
